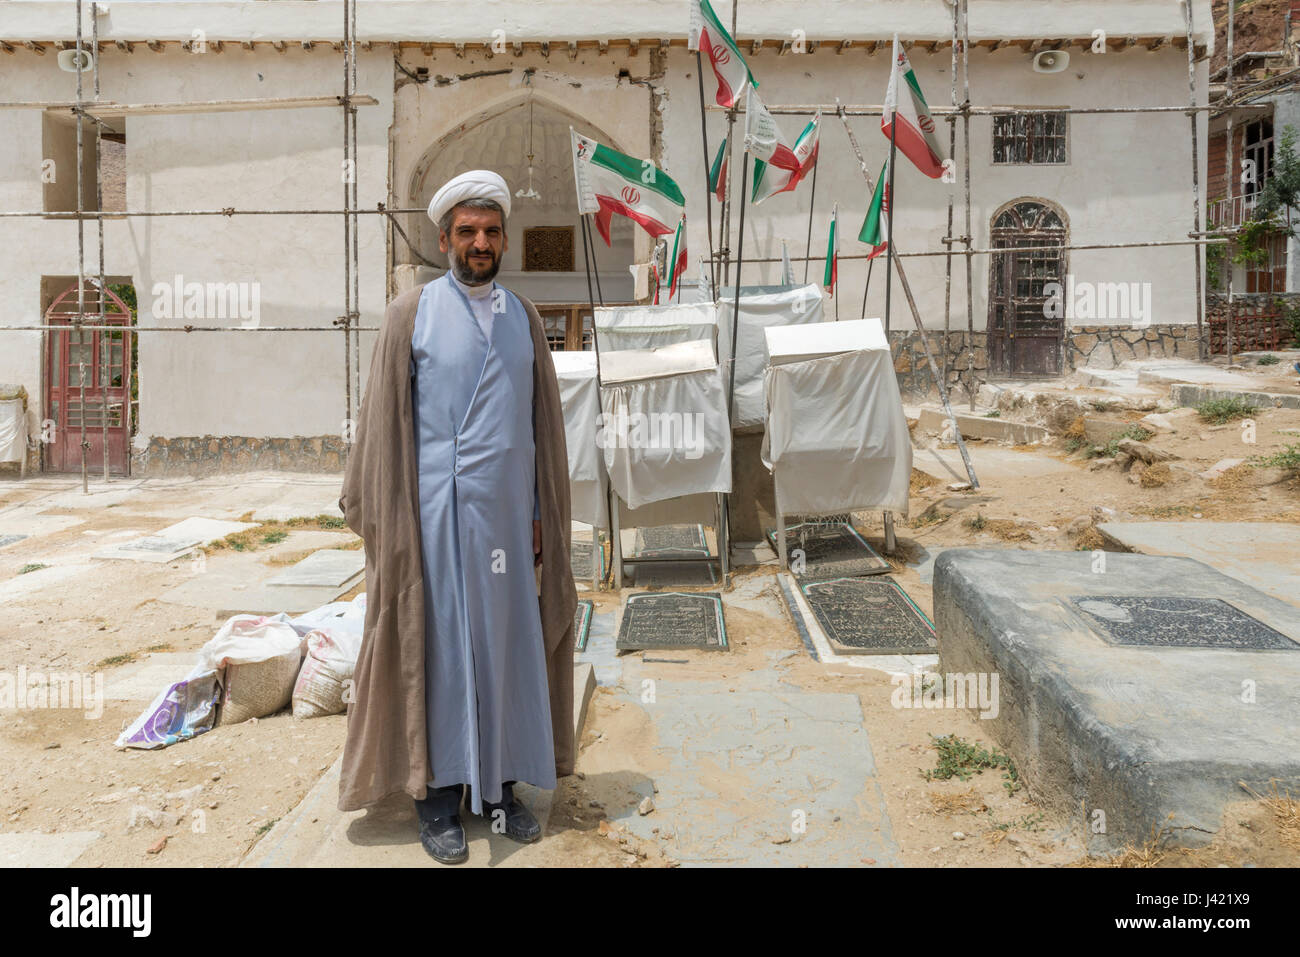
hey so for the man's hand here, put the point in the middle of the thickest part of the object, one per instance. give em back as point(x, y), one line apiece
point(537, 543)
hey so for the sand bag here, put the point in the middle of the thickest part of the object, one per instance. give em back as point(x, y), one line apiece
point(258, 658)
point(326, 673)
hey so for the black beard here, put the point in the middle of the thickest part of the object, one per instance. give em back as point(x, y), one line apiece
point(470, 276)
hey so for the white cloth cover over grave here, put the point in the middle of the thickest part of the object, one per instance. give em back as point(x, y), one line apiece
point(13, 430)
point(580, 399)
point(620, 328)
point(836, 436)
point(665, 430)
point(760, 307)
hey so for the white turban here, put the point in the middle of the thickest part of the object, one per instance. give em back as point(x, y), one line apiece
point(476, 184)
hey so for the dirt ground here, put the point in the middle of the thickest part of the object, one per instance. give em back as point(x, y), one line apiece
point(207, 801)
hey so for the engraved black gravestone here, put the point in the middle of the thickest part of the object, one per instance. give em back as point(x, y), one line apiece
point(1171, 622)
point(581, 554)
point(821, 550)
point(673, 620)
point(670, 541)
point(869, 616)
point(582, 623)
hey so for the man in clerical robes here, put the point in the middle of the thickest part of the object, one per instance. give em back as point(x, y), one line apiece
point(458, 483)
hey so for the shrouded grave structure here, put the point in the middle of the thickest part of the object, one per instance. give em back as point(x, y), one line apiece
point(1131, 687)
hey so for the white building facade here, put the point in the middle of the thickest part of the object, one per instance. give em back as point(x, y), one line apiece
point(457, 86)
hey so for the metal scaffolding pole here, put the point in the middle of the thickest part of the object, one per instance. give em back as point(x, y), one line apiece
point(1231, 175)
point(1202, 345)
point(81, 265)
point(105, 340)
point(947, 236)
point(969, 238)
point(349, 173)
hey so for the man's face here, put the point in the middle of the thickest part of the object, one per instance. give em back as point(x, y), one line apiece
point(475, 242)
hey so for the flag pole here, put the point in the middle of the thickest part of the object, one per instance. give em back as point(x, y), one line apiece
point(740, 258)
point(708, 191)
point(892, 205)
point(812, 202)
point(870, 264)
point(911, 302)
point(595, 267)
point(600, 404)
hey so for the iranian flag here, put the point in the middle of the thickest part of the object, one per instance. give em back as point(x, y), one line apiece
point(718, 172)
point(677, 265)
point(710, 37)
point(914, 130)
point(832, 272)
point(778, 167)
point(875, 228)
point(611, 182)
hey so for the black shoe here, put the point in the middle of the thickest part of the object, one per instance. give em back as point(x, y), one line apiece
point(519, 823)
point(444, 840)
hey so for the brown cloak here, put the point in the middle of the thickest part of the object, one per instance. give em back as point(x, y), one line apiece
point(387, 747)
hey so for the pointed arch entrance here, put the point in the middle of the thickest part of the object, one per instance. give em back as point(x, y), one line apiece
point(544, 260)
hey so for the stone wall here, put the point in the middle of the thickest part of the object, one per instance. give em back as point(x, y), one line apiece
point(209, 454)
point(914, 376)
point(1105, 347)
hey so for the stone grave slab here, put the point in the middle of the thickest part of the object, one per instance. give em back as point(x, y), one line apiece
point(1138, 731)
point(869, 616)
point(582, 624)
point(654, 620)
point(670, 574)
point(670, 541)
point(10, 539)
point(830, 550)
point(142, 680)
point(174, 541)
point(327, 568)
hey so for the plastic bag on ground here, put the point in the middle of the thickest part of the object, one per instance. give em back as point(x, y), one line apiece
point(180, 711)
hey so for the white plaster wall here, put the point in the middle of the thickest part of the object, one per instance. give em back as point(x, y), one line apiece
point(1128, 177)
point(252, 384)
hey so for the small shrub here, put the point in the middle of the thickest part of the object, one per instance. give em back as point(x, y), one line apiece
point(31, 567)
point(1287, 458)
point(978, 522)
point(961, 759)
point(1220, 411)
point(1268, 360)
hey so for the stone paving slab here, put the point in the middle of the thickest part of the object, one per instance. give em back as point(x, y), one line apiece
point(174, 541)
point(746, 767)
point(1137, 732)
point(35, 849)
point(317, 834)
point(142, 680)
point(1265, 555)
point(326, 567)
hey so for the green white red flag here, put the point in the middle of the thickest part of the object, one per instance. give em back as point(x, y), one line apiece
point(832, 271)
point(677, 265)
point(718, 172)
point(907, 117)
point(875, 228)
point(710, 37)
point(778, 167)
point(610, 182)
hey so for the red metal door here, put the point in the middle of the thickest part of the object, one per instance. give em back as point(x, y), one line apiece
point(87, 382)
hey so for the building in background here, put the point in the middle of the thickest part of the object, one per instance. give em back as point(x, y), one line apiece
point(458, 86)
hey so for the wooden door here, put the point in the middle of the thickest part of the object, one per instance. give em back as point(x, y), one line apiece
point(1023, 340)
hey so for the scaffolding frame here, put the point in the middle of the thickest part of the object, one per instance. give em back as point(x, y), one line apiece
point(349, 323)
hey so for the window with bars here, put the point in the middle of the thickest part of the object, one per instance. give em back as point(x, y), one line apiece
point(1257, 155)
point(1029, 138)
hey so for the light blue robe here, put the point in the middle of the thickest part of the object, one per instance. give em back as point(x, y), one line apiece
point(486, 693)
